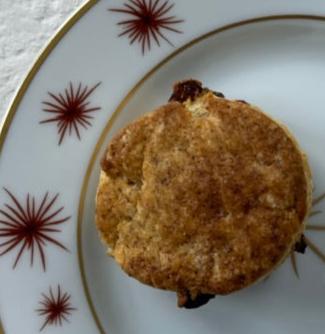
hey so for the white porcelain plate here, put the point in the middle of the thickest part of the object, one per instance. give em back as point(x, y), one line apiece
point(110, 63)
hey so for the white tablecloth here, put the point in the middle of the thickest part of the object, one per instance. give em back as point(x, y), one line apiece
point(25, 27)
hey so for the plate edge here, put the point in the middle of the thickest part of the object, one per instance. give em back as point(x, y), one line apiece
point(31, 73)
point(40, 59)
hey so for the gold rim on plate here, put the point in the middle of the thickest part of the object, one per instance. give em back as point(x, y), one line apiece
point(9, 116)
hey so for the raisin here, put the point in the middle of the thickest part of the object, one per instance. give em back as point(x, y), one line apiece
point(187, 89)
point(185, 300)
point(300, 246)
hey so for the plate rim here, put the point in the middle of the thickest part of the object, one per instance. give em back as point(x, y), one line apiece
point(31, 73)
point(37, 64)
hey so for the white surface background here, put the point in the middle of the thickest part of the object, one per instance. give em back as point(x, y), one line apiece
point(25, 27)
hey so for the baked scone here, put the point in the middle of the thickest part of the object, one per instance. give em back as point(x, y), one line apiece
point(203, 196)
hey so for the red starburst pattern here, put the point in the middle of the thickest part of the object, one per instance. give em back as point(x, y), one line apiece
point(148, 21)
point(55, 308)
point(306, 241)
point(71, 110)
point(29, 227)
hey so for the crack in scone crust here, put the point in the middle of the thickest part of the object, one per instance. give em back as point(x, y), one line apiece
point(202, 197)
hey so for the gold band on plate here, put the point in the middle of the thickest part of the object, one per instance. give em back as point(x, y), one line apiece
point(39, 62)
point(7, 119)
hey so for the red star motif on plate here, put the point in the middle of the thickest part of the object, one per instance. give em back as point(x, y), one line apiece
point(147, 21)
point(70, 110)
point(29, 227)
point(306, 241)
point(56, 308)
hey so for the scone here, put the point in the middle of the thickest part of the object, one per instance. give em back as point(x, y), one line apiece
point(204, 196)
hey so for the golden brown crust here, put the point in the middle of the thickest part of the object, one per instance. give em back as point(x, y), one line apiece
point(204, 197)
